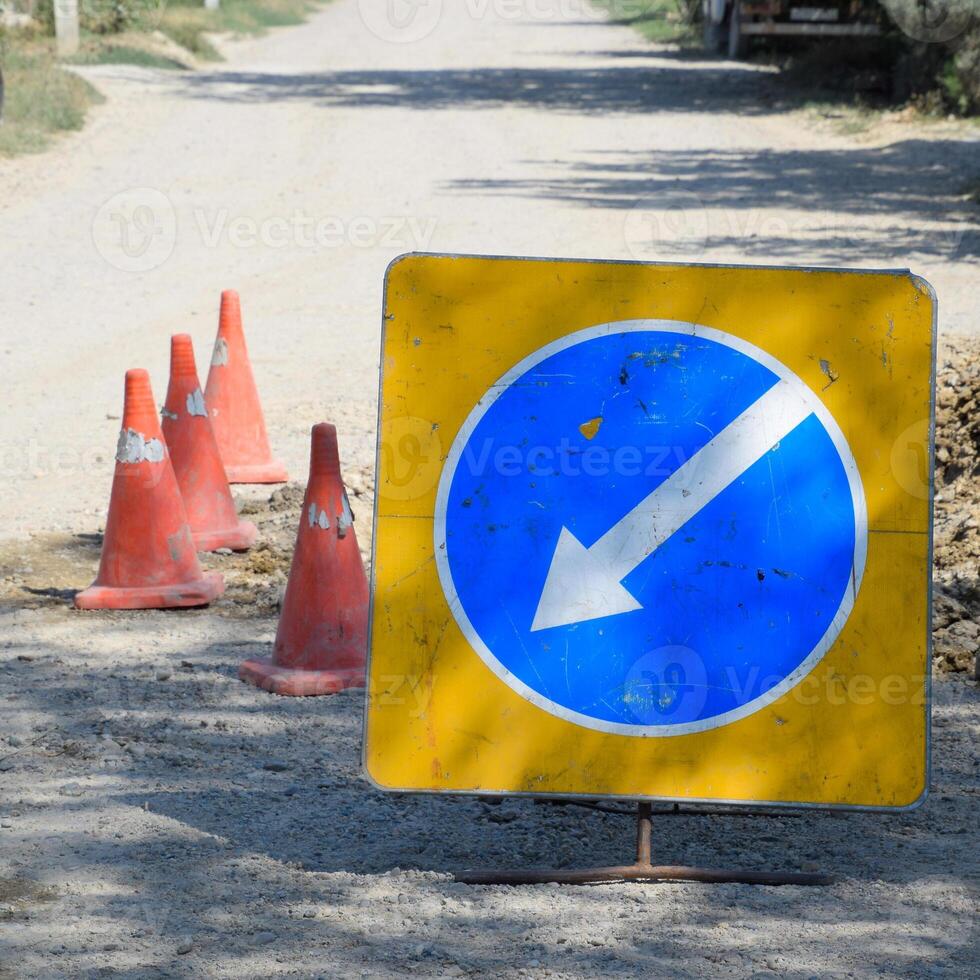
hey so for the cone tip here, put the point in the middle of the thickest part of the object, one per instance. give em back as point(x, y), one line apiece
point(230, 314)
point(324, 451)
point(139, 409)
point(138, 384)
point(182, 362)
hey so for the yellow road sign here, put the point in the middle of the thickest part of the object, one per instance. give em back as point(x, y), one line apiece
point(653, 531)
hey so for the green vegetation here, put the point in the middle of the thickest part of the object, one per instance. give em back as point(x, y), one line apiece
point(657, 20)
point(41, 99)
point(848, 120)
point(187, 21)
point(928, 55)
point(121, 51)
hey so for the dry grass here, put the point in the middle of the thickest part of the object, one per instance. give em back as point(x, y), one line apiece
point(657, 20)
point(188, 23)
point(41, 99)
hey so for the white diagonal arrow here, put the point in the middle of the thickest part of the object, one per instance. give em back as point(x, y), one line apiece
point(585, 583)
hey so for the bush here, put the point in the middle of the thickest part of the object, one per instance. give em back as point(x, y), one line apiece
point(964, 74)
point(106, 16)
point(41, 99)
point(940, 64)
point(114, 16)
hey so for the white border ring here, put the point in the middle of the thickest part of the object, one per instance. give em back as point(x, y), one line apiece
point(690, 330)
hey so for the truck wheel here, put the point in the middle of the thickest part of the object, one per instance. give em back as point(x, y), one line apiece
point(737, 41)
point(712, 37)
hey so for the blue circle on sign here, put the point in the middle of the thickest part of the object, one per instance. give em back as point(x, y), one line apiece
point(650, 528)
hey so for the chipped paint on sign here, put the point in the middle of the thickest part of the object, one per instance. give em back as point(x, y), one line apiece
point(584, 583)
point(134, 447)
point(590, 429)
point(195, 404)
point(219, 357)
point(167, 414)
point(832, 375)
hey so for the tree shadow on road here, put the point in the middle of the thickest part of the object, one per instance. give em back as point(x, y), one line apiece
point(234, 849)
point(882, 203)
point(857, 203)
point(668, 86)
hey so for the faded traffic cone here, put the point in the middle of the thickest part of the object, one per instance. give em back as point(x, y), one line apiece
point(148, 556)
point(233, 404)
point(321, 643)
point(197, 464)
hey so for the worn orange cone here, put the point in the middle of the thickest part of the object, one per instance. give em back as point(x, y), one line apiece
point(197, 464)
point(233, 404)
point(148, 555)
point(321, 643)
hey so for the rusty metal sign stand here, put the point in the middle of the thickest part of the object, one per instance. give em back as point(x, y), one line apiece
point(641, 870)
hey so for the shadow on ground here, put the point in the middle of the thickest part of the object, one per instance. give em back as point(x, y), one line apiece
point(241, 807)
point(672, 84)
point(860, 203)
point(881, 203)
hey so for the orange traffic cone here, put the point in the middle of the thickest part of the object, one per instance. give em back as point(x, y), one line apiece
point(233, 404)
point(148, 556)
point(197, 464)
point(321, 643)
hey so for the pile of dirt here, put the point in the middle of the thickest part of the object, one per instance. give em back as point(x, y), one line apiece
point(46, 570)
point(256, 580)
point(17, 895)
point(957, 422)
point(956, 557)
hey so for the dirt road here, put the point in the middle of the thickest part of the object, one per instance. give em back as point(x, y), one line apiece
point(157, 818)
point(301, 167)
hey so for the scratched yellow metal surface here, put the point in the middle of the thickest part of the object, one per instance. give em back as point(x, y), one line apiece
point(852, 733)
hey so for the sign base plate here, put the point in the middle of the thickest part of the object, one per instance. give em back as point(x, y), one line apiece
point(642, 870)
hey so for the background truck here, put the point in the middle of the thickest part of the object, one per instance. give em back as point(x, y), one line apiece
point(729, 24)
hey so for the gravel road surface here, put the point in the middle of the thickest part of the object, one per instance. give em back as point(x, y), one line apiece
point(160, 819)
